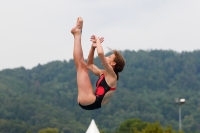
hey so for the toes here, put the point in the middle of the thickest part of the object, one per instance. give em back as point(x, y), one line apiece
point(79, 23)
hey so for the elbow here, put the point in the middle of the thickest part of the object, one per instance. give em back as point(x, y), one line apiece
point(89, 66)
point(89, 63)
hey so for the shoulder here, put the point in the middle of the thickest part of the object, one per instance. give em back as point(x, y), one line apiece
point(102, 72)
point(110, 75)
point(111, 80)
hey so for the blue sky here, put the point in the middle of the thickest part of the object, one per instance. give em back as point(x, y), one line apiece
point(33, 32)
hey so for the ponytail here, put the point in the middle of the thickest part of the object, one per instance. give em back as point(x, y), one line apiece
point(117, 74)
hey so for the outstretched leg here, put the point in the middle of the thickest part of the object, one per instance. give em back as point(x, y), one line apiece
point(85, 92)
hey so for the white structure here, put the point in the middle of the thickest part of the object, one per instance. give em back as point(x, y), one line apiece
point(92, 128)
point(180, 102)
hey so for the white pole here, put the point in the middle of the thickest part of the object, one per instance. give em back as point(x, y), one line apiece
point(180, 117)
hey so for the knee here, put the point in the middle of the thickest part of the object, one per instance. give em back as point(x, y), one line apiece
point(82, 100)
point(86, 100)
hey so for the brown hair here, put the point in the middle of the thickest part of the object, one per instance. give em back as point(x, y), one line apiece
point(120, 62)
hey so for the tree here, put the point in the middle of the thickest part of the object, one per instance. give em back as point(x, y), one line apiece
point(49, 130)
point(132, 125)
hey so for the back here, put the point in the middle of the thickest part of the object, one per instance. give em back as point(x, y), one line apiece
point(103, 90)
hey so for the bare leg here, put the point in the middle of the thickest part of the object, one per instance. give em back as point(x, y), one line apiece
point(85, 92)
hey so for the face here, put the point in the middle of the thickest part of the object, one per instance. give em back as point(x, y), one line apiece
point(110, 59)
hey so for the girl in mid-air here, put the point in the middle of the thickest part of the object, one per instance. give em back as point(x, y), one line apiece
point(107, 82)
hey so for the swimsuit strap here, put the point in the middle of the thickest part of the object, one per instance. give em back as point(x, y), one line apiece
point(112, 88)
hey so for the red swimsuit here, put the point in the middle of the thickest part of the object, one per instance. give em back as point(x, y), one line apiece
point(101, 90)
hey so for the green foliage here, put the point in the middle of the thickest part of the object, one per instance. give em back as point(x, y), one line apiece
point(156, 128)
point(132, 125)
point(138, 126)
point(13, 126)
point(102, 131)
point(49, 130)
point(46, 96)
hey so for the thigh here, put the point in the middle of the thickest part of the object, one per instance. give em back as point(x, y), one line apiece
point(85, 92)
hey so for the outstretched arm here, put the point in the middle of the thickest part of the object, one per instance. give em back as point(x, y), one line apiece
point(100, 52)
point(90, 62)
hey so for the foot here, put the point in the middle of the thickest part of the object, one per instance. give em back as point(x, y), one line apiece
point(78, 28)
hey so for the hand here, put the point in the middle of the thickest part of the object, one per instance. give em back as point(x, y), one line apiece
point(94, 39)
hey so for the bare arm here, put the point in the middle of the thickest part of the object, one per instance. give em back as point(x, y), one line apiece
point(107, 97)
point(106, 65)
point(90, 63)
